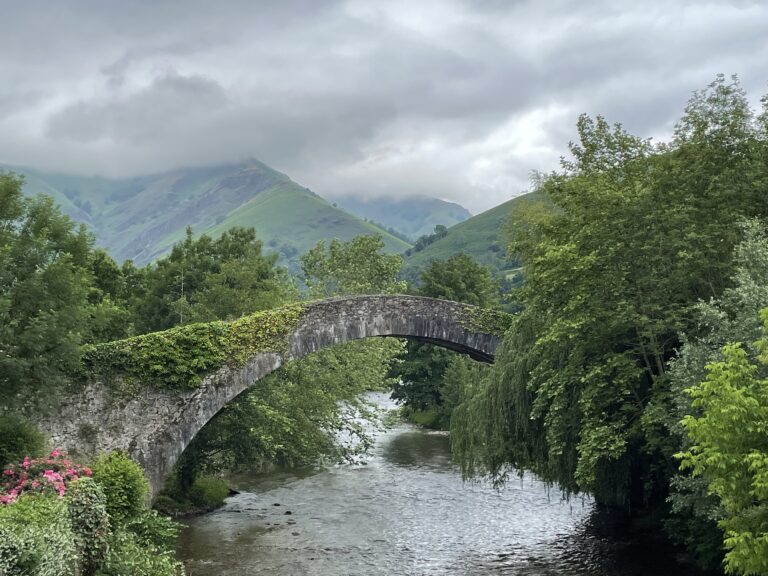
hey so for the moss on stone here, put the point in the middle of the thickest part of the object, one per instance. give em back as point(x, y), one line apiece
point(486, 320)
point(179, 358)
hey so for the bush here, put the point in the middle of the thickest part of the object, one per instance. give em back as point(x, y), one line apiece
point(36, 537)
point(128, 557)
point(19, 438)
point(170, 506)
point(153, 530)
point(90, 522)
point(124, 485)
point(209, 491)
point(50, 475)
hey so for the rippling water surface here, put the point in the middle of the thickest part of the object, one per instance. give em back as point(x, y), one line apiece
point(407, 511)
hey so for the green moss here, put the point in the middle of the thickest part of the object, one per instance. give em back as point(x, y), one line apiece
point(487, 320)
point(179, 358)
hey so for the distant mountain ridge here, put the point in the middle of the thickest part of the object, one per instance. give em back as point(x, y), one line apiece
point(412, 216)
point(140, 218)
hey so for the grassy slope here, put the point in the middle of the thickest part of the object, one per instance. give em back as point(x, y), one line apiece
point(140, 218)
point(481, 236)
point(413, 217)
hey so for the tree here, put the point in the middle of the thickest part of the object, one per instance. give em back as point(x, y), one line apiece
point(729, 451)
point(420, 374)
point(44, 283)
point(354, 267)
point(633, 236)
point(734, 317)
point(207, 279)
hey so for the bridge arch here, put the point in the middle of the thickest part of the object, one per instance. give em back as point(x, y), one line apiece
point(157, 425)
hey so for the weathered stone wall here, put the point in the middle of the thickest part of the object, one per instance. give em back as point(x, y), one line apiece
point(156, 425)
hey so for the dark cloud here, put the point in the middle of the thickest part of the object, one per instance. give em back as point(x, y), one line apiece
point(459, 99)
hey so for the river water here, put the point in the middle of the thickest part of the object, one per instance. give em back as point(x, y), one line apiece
point(406, 511)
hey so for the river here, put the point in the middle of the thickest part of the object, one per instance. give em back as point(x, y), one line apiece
point(406, 511)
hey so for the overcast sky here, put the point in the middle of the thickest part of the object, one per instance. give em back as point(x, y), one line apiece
point(456, 99)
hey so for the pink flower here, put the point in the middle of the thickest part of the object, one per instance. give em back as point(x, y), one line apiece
point(26, 463)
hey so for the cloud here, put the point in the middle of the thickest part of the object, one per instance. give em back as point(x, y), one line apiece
point(457, 99)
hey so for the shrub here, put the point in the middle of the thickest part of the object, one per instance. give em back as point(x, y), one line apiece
point(36, 537)
point(124, 485)
point(128, 557)
point(41, 475)
point(154, 530)
point(208, 491)
point(90, 522)
point(168, 505)
point(19, 438)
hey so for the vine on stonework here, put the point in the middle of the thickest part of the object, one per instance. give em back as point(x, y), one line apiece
point(487, 320)
point(179, 358)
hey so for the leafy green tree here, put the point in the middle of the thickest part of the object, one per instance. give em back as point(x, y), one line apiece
point(44, 283)
point(354, 267)
point(462, 279)
point(207, 279)
point(633, 236)
point(420, 374)
point(296, 415)
point(729, 451)
point(734, 317)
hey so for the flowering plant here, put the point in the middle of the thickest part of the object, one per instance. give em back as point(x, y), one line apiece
point(44, 475)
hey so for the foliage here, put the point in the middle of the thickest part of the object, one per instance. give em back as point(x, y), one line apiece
point(180, 356)
point(580, 392)
point(50, 475)
point(354, 267)
point(124, 485)
point(44, 280)
point(296, 415)
point(734, 317)
point(19, 438)
point(730, 451)
point(488, 321)
point(36, 538)
point(208, 279)
point(56, 520)
point(459, 278)
point(153, 530)
point(56, 293)
point(86, 504)
point(130, 556)
point(420, 382)
point(208, 491)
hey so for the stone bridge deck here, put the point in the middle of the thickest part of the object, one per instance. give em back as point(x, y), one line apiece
point(156, 425)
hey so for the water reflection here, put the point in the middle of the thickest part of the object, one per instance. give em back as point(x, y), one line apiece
point(407, 511)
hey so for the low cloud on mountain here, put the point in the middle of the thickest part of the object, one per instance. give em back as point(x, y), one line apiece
point(458, 99)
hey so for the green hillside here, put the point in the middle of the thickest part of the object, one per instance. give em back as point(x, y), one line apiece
point(140, 218)
point(481, 236)
point(412, 217)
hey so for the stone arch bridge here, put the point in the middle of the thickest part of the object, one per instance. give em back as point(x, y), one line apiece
point(155, 424)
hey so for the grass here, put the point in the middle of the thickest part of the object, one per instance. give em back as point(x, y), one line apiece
point(482, 237)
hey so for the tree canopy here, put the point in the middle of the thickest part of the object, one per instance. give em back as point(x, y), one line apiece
point(631, 236)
